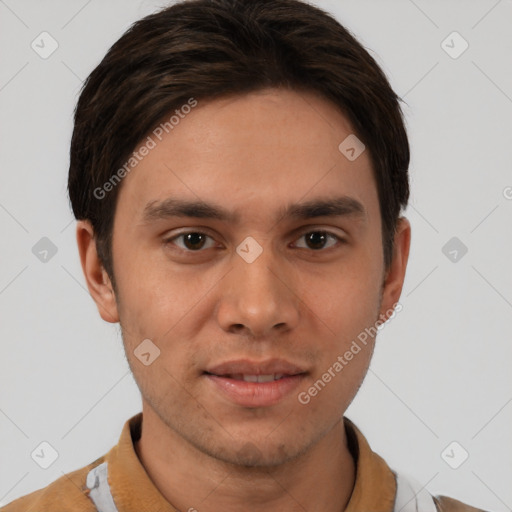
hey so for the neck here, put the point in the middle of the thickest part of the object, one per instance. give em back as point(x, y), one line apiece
point(190, 479)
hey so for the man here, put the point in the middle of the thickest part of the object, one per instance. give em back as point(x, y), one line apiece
point(238, 170)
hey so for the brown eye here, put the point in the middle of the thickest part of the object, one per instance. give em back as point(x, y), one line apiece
point(316, 240)
point(192, 241)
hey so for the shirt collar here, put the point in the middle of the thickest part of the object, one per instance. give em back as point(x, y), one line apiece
point(130, 485)
point(133, 490)
point(375, 484)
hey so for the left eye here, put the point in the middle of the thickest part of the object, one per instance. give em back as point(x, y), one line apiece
point(317, 238)
point(195, 241)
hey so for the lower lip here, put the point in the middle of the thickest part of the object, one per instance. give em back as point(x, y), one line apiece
point(256, 394)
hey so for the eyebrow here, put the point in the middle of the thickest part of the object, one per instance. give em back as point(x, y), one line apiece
point(172, 207)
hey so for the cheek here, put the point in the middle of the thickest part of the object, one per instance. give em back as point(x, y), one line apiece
point(329, 392)
point(345, 306)
point(154, 294)
point(167, 308)
point(347, 297)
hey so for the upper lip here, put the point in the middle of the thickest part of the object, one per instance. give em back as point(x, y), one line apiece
point(248, 367)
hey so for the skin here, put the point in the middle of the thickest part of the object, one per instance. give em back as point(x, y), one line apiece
point(301, 301)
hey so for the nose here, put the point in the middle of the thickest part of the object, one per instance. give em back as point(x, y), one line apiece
point(257, 299)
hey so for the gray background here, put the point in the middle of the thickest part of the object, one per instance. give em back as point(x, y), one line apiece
point(441, 371)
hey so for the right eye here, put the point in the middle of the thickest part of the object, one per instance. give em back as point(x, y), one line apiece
point(193, 241)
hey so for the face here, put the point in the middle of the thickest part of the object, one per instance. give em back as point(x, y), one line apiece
point(279, 274)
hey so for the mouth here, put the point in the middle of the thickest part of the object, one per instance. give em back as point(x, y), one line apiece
point(253, 378)
point(255, 384)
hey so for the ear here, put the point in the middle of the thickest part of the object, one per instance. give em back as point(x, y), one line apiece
point(97, 279)
point(395, 275)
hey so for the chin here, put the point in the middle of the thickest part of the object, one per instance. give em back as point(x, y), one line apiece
point(259, 454)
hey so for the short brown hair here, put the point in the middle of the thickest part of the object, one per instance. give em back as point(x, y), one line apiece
point(207, 49)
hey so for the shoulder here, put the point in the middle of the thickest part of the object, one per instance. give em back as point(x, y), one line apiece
point(68, 493)
point(446, 504)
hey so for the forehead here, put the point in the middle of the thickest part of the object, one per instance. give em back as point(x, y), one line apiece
point(264, 149)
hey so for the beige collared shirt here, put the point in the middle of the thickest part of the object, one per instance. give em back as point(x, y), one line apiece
point(133, 491)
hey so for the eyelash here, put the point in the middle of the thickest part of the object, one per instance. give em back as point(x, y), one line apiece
point(324, 232)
